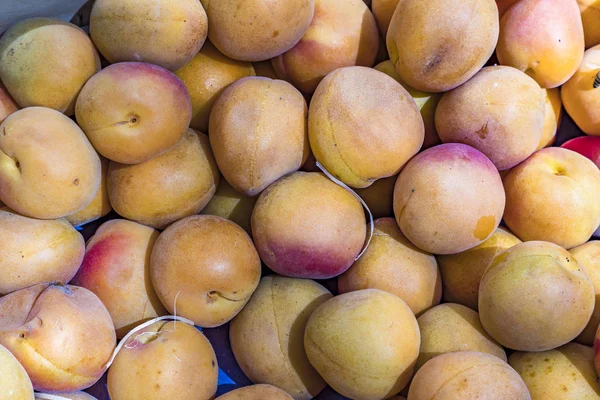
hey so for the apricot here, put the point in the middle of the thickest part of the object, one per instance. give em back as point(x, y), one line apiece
point(375, 355)
point(100, 205)
point(448, 199)
point(581, 93)
point(503, 121)
point(265, 69)
point(553, 196)
point(61, 334)
point(258, 133)
point(228, 203)
point(205, 77)
point(452, 327)
point(164, 360)
point(256, 392)
point(132, 112)
point(552, 117)
point(15, 383)
point(205, 268)
point(342, 33)
point(440, 44)
point(37, 251)
point(120, 252)
point(306, 226)
point(166, 34)
point(176, 184)
point(383, 10)
point(504, 5)
point(379, 196)
point(45, 62)
point(426, 102)
point(566, 373)
point(590, 17)
point(353, 136)
point(393, 264)
point(257, 30)
point(267, 336)
point(588, 257)
point(7, 104)
point(518, 301)
point(543, 38)
point(48, 168)
point(462, 272)
point(587, 146)
point(467, 375)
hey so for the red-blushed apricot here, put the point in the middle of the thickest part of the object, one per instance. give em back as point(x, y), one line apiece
point(504, 5)
point(37, 251)
point(500, 112)
point(566, 373)
point(535, 296)
point(581, 93)
point(258, 132)
point(342, 33)
point(543, 38)
point(393, 264)
point(48, 168)
point(228, 203)
point(162, 361)
point(205, 77)
point(552, 117)
point(116, 268)
point(257, 30)
point(553, 196)
point(61, 334)
point(267, 336)
point(176, 184)
point(440, 44)
point(364, 343)
point(467, 375)
point(426, 102)
point(588, 257)
point(306, 226)
point(448, 199)
point(590, 17)
point(132, 112)
point(205, 268)
point(7, 104)
point(15, 383)
point(587, 146)
point(462, 272)
point(256, 392)
point(100, 205)
point(166, 34)
point(45, 62)
point(363, 125)
point(450, 327)
point(379, 196)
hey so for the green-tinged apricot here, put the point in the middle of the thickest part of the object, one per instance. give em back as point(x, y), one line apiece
point(364, 343)
point(535, 296)
point(267, 336)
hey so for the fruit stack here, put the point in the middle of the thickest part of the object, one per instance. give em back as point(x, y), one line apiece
point(257, 199)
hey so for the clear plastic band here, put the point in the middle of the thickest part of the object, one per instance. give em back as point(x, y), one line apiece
point(49, 396)
point(142, 326)
point(366, 207)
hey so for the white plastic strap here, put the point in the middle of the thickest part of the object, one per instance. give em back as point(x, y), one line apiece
point(366, 207)
point(142, 326)
point(49, 396)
